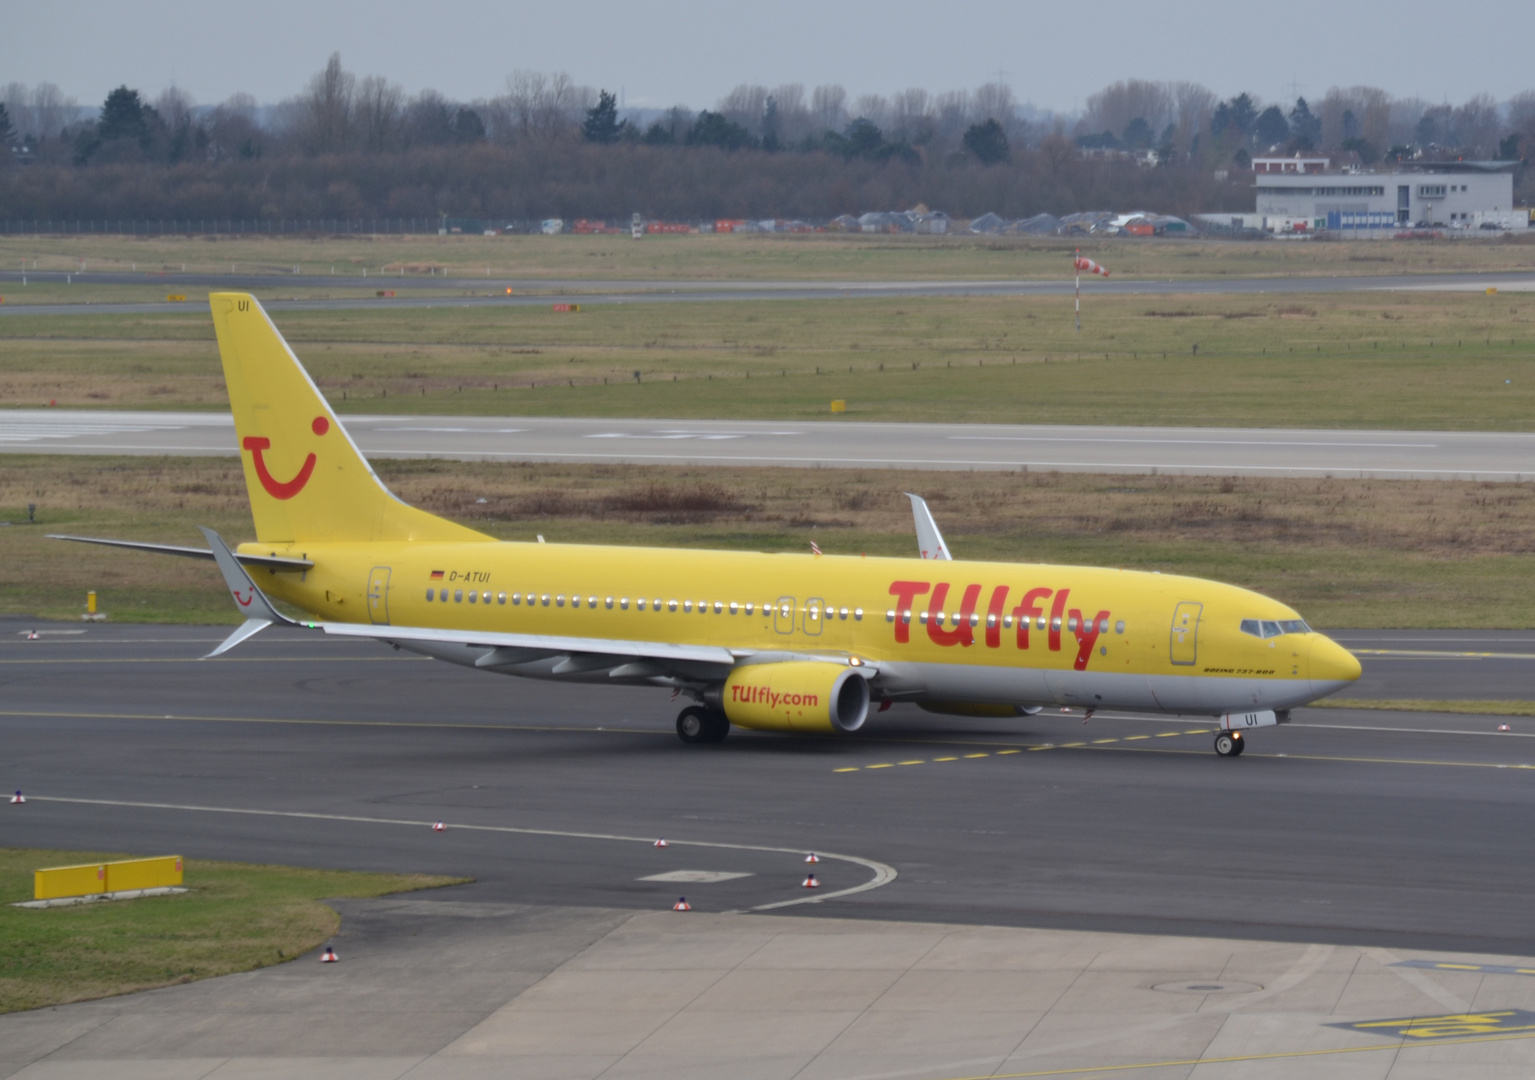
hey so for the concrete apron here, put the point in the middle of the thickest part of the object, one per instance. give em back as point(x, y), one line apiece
point(430, 989)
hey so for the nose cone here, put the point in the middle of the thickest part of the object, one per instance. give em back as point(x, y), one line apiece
point(1332, 667)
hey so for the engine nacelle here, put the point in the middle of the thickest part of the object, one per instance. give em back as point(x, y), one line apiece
point(801, 696)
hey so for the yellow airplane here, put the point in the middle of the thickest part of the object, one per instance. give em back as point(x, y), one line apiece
point(787, 642)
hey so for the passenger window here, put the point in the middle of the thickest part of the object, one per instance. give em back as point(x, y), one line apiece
point(858, 614)
point(1103, 626)
point(591, 601)
point(734, 607)
point(671, 605)
point(431, 594)
point(559, 601)
point(501, 598)
point(623, 603)
point(458, 596)
point(473, 597)
point(1119, 627)
point(1071, 624)
point(749, 608)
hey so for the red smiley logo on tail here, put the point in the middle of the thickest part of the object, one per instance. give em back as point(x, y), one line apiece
point(282, 489)
point(244, 601)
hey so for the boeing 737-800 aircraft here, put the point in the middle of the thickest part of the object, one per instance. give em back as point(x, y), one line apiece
point(787, 642)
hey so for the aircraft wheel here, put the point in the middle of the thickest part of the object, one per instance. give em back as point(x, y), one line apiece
point(1226, 744)
point(696, 724)
point(1241, 743)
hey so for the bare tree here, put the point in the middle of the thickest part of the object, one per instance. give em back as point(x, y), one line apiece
point(795, 122)
point(744, 105)
point(539, 108)
point(911, 117)
point(378, 114)
point(829, 106)
point(38, 112)
point(1476, 125)
point(323, 113)
point(874, 108)
point(1114, 107)
point(233, 131)
point(1192, 104)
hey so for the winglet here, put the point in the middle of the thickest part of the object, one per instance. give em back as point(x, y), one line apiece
point(251, 601)
point(929, 539)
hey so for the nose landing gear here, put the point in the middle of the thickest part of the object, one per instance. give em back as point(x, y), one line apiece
point(696, 724)
point(1227, 743)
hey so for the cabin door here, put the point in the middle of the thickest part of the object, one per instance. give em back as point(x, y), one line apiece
point(378, 596)
point(1184, 646)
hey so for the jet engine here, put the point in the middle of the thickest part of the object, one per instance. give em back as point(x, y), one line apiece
point(798, 696)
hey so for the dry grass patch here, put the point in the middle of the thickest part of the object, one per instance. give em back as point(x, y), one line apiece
point(1355, 553)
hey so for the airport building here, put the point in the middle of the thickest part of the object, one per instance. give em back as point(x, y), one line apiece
point(1439, 195)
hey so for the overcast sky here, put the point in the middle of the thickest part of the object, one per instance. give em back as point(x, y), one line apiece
point(692, 52)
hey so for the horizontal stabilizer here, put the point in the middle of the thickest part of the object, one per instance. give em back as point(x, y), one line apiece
point(273, 562)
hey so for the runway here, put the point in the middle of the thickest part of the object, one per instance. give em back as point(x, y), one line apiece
point(1405, 830)
point(479, 291)
point(1492, 456)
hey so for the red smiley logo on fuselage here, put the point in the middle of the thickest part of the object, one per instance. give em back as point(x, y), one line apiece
point(282, 489)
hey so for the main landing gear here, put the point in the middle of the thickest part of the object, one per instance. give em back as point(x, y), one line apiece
point(696, 724)
point(1227, 743)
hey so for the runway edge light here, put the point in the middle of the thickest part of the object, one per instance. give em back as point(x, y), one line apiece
point(18, 798)
point(329, 956)
point(812, 883)
point(439, 827)
point(812, 858)
point(661, 843)
point(682, 904)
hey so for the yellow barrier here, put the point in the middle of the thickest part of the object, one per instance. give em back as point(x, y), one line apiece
point(144, 873)
point(175, 297)
point(69, 881)
point(839, 406)
point(96, 878)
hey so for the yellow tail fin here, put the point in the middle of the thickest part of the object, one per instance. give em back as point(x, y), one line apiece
point(307, 480)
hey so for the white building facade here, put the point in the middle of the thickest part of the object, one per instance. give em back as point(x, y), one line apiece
point(1456, 195)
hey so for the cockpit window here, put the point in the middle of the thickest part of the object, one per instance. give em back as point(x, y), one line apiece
point(1265, 628)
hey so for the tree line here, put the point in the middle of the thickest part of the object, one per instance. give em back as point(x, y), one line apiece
point(360, 147)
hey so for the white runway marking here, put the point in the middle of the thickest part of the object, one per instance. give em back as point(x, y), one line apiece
point(883, 874)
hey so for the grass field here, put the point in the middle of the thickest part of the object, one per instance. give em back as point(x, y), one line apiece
point(235, 918)
point(1355, 360)
point(1345, 553)
point(749, 257)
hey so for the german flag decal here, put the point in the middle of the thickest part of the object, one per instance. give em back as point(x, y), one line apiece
point(437, 575)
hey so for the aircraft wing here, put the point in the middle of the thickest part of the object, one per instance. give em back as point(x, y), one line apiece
point(505, 650)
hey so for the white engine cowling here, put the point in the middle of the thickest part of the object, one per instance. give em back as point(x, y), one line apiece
point(801, 696)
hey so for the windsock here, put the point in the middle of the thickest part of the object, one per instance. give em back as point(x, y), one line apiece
point(1087, 266)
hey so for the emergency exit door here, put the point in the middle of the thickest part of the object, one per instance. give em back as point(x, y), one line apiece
point(378, 596)
point(1184, 647)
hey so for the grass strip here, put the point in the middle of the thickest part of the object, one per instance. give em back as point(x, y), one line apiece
point(1414, 360)
point(1356, 553)
point(237, 917)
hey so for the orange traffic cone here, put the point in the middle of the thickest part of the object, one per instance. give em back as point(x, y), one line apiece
point(18, 798)
point(682, 904)
point(812, 883)
point(661, 843)
point(439, 827)
point(329, 956)
point(812, 858)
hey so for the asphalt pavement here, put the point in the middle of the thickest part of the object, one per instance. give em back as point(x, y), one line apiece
point(1358, 827)
point(470, 290)
point(1452, 455)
